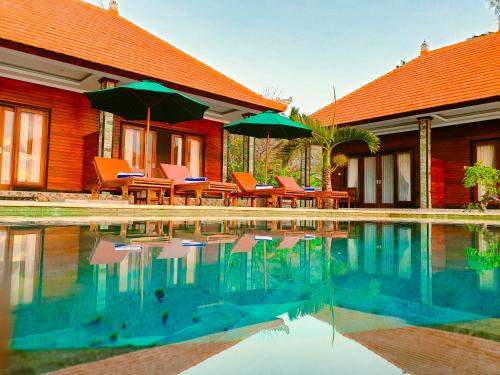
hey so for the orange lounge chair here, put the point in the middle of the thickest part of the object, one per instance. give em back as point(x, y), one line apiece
point(179, 173)
point(107, 171)
point(274, 196)
point(317, 196)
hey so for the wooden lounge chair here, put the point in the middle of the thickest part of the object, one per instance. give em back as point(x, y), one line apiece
point(317, 196)
point(274, 196)
point(179, 173)
point(107, 171)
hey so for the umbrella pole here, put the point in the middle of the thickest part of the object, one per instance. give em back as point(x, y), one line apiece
point(267, 154)
point(146, 144)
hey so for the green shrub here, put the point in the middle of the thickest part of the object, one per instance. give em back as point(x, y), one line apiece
point(488, 178)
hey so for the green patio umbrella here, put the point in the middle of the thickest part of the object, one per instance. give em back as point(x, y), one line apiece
point(269, 125)
point(149, 101)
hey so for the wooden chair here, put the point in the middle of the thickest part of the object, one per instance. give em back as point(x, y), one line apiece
point(107, 171)
point(179, 173)
point(317, 196)
point(274, 196)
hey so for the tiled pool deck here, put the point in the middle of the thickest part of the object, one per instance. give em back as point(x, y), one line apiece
point(90, 211)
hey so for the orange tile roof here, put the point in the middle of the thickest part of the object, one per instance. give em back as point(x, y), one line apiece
point(86, 32)
point(459, 73)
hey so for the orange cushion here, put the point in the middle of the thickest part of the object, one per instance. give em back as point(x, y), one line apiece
point(178, 173)
point(245, 181)
point(108, 169)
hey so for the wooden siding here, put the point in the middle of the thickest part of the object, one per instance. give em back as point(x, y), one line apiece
point(452, 144)
point(70, 120)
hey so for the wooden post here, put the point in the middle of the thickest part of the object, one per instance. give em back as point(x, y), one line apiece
point(146, 144)
point(267, 155)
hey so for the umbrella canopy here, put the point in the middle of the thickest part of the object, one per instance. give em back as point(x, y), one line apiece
point(133, 100)
point(269, 125)
point(149, 101)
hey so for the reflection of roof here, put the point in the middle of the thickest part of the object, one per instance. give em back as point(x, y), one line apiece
point(75, 29)
point(171, 359)
point(459, 73)
point(417, 350)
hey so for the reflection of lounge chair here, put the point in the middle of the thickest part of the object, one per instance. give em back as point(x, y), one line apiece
point(178, 248)
point(105, 253)
point(107, 171)
point(179, 174)
point(274, 196)
point(290, 240)
point(244, 244)
point(317, 196)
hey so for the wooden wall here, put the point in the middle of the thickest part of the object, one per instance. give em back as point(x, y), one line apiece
point(453, 145)
point(70, 120)
point(73, 137)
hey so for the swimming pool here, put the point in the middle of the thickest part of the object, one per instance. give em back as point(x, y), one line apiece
point(252, 297)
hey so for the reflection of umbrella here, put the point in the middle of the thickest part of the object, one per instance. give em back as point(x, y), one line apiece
point(269, 125)
point(148, 101)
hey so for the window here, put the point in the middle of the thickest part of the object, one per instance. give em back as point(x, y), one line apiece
point(23, 147)
point(404, 176)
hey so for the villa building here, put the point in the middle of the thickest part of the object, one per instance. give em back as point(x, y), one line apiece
point(51, 51)
point(434, 115)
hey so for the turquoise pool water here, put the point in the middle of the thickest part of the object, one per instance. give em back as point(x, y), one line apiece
point(252, 297)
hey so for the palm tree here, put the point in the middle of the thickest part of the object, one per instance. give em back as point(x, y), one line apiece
point(327, 137)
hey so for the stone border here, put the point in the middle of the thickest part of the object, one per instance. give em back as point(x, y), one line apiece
point(22, 210)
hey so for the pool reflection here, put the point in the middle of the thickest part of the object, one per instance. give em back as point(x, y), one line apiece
point(152, 283)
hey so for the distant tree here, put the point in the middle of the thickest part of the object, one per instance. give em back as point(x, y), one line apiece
point(495, 5)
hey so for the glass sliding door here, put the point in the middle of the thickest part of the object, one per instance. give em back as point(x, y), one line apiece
point(177, 149)
point(193, 155)
point(370, 180)
point(23, 147)
point(30, 148)
point(133, 148)
point(6, 144)
point(387, 179)
point(404, 173)
point(353, 174)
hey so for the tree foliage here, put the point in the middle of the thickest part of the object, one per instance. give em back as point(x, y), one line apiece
point(486, 177)
point(327, 137)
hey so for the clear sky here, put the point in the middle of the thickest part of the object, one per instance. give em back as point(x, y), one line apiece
point(300, 48)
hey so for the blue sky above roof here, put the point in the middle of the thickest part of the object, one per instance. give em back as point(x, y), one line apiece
point(300, 48)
